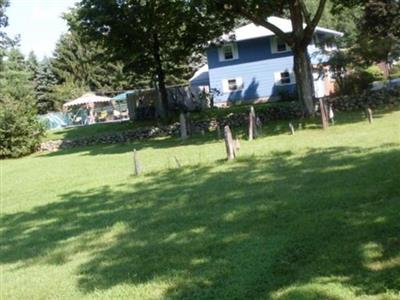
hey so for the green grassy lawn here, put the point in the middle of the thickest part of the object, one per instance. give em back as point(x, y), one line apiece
point(95, 129)
point(310, 216)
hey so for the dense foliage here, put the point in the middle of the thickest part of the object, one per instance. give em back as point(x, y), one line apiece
point(3, 23)
point(87, 64)
point(20, 130)
point(360, 80)
point(152, 38)
point(379, 35)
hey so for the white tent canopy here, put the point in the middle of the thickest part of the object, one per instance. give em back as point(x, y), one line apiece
point(88, 98)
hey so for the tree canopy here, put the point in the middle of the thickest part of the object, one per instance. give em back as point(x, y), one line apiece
point(20, 130)
point(153, 38)
point(379, 35)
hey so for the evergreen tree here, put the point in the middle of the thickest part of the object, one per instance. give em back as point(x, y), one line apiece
point(32, 64)
point(45, 81)
point(3, 23)
point(87, 64)
point(20, 130)
point(68, 90)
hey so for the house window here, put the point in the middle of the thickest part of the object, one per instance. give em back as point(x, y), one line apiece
point(228, 52)
point(285, 77)
point(232, 84)
point(280, 46)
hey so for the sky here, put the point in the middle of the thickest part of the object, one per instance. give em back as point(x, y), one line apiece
point(38, 22)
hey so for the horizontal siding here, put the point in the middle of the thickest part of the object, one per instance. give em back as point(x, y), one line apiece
point(249, 51)
point(258, 79)
point(256, 65)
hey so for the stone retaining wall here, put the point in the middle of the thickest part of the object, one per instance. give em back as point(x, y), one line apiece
point(277, 112)
point(376, 99)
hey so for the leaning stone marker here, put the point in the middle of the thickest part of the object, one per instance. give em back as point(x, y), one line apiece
point(252, 124)
point(182, 120)
point(136, 163)
point(237, 146)
point(230, 150)
point(369, 114)
point(291, 128)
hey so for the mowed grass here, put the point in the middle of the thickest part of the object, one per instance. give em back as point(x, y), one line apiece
point(310, 216)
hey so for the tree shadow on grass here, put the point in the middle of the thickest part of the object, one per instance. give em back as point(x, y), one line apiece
point(270, 128)
point(244, 230)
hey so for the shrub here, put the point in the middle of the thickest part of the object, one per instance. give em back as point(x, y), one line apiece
point(372, 73)
point(360, 80)
point(20, 130)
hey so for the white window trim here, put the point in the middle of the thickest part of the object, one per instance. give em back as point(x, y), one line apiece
point(225, 84)
point(274, 46)
point(277, 77)
point(235, 52)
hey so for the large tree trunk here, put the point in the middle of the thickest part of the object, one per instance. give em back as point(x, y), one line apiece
point(302, 63)
point(160, 78)
point(304, 79)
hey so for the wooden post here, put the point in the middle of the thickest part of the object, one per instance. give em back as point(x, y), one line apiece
point(291, 128)
point(230, 152)
point(183, 124)
point(324, 115)
point(369, 114)
point(136, 163)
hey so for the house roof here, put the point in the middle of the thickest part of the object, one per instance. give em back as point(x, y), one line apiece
point(252, 31)
point(201, 75)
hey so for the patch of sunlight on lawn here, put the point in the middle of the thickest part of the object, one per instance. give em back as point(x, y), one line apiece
point(375, 260)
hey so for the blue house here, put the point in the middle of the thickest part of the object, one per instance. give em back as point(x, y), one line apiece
point(252, 64)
